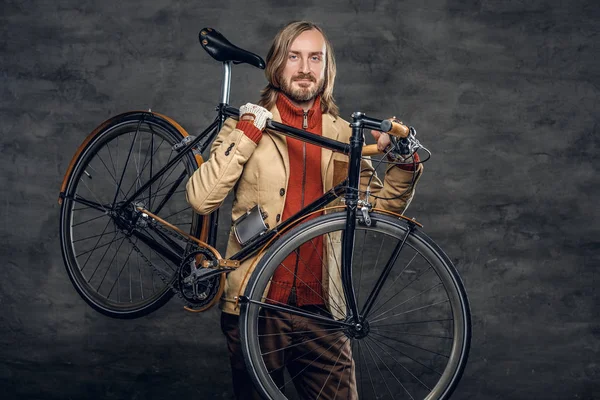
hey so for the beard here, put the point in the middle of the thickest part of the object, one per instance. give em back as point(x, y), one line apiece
point(302, 94)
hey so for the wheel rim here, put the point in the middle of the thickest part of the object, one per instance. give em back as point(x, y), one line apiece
point(108, 265)
point(413, 343)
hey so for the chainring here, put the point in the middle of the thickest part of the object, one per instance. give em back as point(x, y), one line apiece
point(197, 293)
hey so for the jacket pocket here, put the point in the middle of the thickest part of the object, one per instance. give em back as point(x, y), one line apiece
point(340, 171)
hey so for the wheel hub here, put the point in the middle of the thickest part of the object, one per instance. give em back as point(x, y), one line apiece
point(358, 330)
point(128, 218)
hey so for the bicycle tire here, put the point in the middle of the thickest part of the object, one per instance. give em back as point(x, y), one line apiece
point(401, 355)
point(115, 160)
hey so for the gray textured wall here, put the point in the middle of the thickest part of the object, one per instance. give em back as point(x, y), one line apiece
point(505, 92)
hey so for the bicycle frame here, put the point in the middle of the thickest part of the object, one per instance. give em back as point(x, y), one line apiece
point(349, 189)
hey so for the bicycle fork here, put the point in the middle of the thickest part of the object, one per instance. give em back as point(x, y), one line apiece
point(356, 144)
point(354, 316)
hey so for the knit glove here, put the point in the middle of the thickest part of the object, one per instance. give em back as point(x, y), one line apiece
point(256, 114)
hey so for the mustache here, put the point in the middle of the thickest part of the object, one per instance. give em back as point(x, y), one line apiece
point(301, 76)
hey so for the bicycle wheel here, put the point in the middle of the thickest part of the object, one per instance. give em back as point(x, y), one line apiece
point(119, 262)
point(414, 335)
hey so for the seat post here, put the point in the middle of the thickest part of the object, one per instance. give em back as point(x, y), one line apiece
point(226, 83)
point(214, 217)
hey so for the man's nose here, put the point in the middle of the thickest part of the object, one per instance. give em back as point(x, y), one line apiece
point(304, 66)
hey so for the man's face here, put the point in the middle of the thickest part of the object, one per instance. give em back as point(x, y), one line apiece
point(303, 76)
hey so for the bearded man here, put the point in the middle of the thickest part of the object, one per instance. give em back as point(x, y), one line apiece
point(283, 175)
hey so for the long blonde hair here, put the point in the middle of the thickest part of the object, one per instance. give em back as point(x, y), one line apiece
point(277, 57)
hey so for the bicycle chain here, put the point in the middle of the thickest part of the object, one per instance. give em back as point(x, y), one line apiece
point(191, 245)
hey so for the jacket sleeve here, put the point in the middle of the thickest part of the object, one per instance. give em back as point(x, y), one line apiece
point(213, 180)
point(397, 189)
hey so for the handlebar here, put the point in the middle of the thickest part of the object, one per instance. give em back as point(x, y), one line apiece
point(386, 125)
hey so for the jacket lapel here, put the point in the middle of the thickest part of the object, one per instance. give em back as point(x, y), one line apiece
point(331, 131)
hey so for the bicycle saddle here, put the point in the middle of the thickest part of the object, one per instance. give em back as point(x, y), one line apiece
point(223, 50)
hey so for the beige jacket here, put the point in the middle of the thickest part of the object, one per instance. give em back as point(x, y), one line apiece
point(259, 173)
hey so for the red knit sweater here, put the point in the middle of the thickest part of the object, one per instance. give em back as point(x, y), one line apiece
point(297, 281)
point(298, 278)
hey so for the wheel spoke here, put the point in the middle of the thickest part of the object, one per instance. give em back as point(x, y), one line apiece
point(126, 163)
point(177, 212)
point(91, 204)
point(91, 219)
point(410, 344)
point(416, 322)
point(319, 295)
point(299, 332)
point(95, 246)
point(377, 366)
point(391, 372)
point(410, 333)
point(297, 344)
point(375, 318)
point(333, 368)
point(311, 362)
point(94, 236)
point(96, 197)
point(383, 277)
point(172, 189)
point(393, 284)
point(298, 311)
point(368, 371)
point(150, 162)
point(360, 368)
point(414, 309)
point(110, 265)
point(119, 275)
point(338, 267)
point(151, 170)
point(113, 177)
point(380, 343)
point(102, 258)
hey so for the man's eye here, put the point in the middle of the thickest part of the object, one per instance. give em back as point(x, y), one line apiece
point(293, 56)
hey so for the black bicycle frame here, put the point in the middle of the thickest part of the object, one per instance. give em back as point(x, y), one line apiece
point(348, 189)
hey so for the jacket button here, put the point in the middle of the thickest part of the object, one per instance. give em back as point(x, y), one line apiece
point(278, 218)
point(281, 191)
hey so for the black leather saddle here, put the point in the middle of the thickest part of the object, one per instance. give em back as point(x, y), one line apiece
point(223, 50)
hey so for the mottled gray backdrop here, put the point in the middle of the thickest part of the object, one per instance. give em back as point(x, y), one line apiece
point(505, 93)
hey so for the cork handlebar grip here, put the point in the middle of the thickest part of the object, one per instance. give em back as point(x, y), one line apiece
point(399, 130)
point(370, 150)
point(393, 128)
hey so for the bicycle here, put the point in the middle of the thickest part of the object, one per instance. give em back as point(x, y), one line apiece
point(130, 241)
